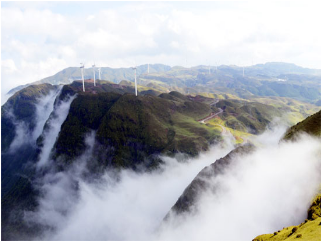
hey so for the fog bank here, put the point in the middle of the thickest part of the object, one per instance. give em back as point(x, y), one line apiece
point(263, 192)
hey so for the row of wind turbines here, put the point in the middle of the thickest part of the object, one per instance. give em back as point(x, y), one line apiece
point(82, 67)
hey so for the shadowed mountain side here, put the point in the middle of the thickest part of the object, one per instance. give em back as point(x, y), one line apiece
point(21, 108)
point(186, 202)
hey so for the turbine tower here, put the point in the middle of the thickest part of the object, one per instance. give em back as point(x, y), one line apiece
point(82, 66)
point(148, 69)
point(99, 72)
point(94, 74)
point(243, 71)
point(134, 68)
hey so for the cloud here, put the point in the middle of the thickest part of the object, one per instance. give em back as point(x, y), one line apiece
point(50, 134)
point(23, 134)
point(120, 34)
point(76, 207)
point(260, 193)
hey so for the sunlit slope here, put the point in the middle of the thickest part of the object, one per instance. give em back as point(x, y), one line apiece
point(295, 110)
point(311, 125)
point(308, 230)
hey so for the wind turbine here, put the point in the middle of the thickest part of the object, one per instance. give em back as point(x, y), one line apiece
point(243, 71)
point(94, 74)
point(134, 68)
point(82, 66)
point(99, 71)
point(148, 69)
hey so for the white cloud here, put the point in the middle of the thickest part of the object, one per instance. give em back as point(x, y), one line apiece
point(238, 33)
point(260, 193)
point(8, 66)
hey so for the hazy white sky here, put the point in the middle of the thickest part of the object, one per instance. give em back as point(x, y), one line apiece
point(41, 38)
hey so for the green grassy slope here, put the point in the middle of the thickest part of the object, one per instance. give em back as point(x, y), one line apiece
point(245, 116)
point(311, 125)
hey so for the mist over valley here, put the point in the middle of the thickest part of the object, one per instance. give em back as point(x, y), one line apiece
point(156, 121)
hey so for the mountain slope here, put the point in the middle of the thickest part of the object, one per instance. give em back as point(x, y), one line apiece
point(311, 125)
point(186, 202)
point(134, 128)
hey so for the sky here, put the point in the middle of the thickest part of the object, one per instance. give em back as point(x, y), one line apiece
point(38, 39)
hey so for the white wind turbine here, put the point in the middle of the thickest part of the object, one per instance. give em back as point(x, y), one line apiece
point(82, 66)
point(148, 69)
point(134, 68)
point(99, 72)
point(94, 74)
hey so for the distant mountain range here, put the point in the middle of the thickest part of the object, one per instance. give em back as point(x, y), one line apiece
point(270, 79)
point(115, 75)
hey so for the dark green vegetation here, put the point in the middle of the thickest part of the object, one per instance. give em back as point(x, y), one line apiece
point(131, 130)
point(311, 125)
